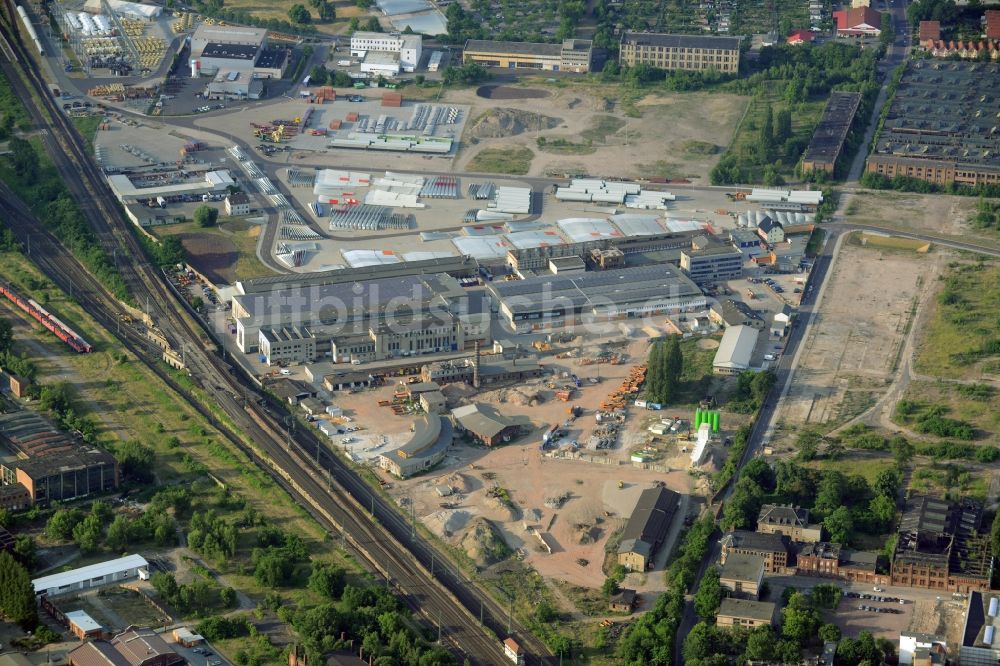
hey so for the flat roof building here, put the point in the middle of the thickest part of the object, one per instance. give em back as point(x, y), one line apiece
point(406, 48)
point(941, 123)
point(94, 575)
point(571, 55)
point(735, 350)
point(712, 263)
point(82, 625)
point(827, 142)
point(546, 301)
point(207, 34)
point(680, 52)
point(647, 527)
point(745, 613)
point(774, 548)
point(980, 636)
point(729, 312)
point(742, 574)
point(432, 435)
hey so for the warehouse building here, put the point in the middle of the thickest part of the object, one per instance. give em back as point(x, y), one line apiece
point(570, 55)
point(556, 300)
point(94, 575)
point(735, 350)
point(228, 35)
point(827, 142)
point(67, 475)
point(680, 52)
point(432, 435)
point(941, 125)
point(486, 425)
point(713, 263)
point(135, 189)
point(407, 49)
point(746, 613)
point(647, 528)
point(373, 307)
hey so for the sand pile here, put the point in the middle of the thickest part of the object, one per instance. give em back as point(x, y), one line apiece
point(484, 543)
point(504, 122)
point(448, 522)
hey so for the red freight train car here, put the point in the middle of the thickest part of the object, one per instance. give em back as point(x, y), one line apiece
point(61, 330)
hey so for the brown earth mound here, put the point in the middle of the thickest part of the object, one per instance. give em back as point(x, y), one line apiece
point(499, 123)
point(506, 92)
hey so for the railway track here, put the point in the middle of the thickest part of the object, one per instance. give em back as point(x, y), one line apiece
point(320, 480)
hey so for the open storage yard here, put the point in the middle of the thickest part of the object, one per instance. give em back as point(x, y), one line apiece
point(852, 353)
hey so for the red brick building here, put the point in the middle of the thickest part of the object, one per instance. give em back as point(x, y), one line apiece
point(993, 24)
point(930, 32)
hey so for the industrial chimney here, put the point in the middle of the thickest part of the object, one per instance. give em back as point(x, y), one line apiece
point(475, 368)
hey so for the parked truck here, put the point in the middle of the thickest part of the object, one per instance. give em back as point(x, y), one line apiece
point(161, 202)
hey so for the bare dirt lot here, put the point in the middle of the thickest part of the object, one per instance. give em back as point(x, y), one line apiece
point(654, 141)
point(853, 349)
point(215, 257)
point(596, 497)
point(928, 213)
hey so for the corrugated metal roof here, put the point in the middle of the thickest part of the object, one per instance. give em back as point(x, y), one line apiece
point(86, 573)
point(736, 347)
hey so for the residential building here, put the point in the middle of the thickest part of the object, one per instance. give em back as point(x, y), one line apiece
point(745, 613)
point(237, 203)
point(680, 52)
point(977, 50)
point(935, 128)
point(406, 48)
point(801, 37)
point(714, 263)
point(912, 643)
point(772, 548)
point(941, 546)
point(827, 143)
point(929, 32)
point(730, 312)
point(647, 527)
point(980, 636)
point(94, 575)
point(570, 55)
point(623, 601)
point(486, 425)
point(858, 21)
point(742, 575)
point(432, 435)
point(771, 231)
point(792, 521)
point(992, 17)
point(735, 350)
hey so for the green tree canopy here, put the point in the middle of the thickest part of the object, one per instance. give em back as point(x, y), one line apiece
point(17, 595)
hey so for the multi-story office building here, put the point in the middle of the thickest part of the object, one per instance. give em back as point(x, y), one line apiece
point(571, 55)
point(684, 52)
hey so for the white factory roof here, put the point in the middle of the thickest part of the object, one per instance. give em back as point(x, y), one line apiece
point(579, 229)
point(385, 58)
point(482, 247)
point(424, 255)
point(736, 348)
point(334, 181)
point(119, 6)
point(226, 34)
point(762, 195)
point(359, 258)
point(678, 226)
point(86, 573)
point(637, 224)
point(217, 178)
point(394, 199)
point(82, 620)
point(649, 200)
point(400, 183)
point(523, 240)
point(121, 184)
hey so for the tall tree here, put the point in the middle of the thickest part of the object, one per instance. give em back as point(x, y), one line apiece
point(17, 595)
point(673, 367)
point(709, 595)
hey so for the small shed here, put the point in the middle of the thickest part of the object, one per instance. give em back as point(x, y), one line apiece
point(19, 386)
point(187, 638)
point(433, 402)
point(329, 429)
point(623, 602)
point(82, 625)
point(312, 406)
point(444, 490)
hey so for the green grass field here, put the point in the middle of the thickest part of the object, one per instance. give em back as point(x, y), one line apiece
point(958, 342)
point(514, 161)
